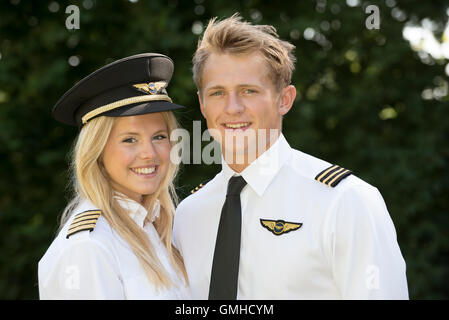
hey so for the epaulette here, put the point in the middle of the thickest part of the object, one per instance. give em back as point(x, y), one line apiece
point(84, 221)
point(333, 175)
point(199, 187)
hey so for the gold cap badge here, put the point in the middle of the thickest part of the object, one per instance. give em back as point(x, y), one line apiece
point(152, 87)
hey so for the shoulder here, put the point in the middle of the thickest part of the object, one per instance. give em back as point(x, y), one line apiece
point(83, 240)
point(203, 190)
point(327, 180)
point(81, 254)
point(202, 184)
point(85, 227)
point(320, 172)
point(82, 222)
point(338, 189)
point(201, 199)
point(86, 222)
point(338, 184)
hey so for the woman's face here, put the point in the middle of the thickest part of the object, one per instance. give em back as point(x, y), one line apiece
point(137, 154)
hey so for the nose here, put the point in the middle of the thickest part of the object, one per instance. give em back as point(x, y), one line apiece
point(147, 150)
point(234, 104)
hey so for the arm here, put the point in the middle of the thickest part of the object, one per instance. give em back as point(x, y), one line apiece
point(367, 261)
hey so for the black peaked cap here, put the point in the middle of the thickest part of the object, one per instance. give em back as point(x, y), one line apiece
point(114, 84)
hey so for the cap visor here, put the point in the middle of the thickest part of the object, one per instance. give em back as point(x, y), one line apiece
point(143, 108)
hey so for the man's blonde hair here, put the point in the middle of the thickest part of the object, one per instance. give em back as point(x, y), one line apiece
point(234, 36)
point(90, 181)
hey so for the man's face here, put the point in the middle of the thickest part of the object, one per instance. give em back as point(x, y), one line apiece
point(240, 102)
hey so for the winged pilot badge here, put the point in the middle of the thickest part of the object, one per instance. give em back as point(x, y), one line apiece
point(152, 87)
point(278, 227)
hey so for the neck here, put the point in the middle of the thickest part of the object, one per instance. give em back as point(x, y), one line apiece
point(238, 167)
point(239, 161)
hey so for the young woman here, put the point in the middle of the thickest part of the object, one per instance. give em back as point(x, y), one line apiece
point(115, 237)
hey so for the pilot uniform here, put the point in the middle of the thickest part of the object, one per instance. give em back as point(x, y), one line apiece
point(309, 230)
point(94, 262)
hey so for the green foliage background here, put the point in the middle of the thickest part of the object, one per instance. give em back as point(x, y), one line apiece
point(359, 105)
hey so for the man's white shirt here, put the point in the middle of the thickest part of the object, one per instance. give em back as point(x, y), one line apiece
point(345, 248)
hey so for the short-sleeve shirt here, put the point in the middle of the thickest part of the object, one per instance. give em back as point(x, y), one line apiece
point(345, 247)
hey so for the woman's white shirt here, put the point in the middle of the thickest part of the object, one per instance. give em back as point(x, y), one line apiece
point(99, 264)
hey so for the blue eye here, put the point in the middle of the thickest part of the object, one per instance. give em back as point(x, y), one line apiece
point(160, 137)
point(129, 140)
point(250, 91)
point(216, 93)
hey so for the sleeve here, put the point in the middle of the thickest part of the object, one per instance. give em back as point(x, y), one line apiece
point(367, 262)
point(84, 269)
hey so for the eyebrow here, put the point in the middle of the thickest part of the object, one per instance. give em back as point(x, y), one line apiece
point(161, 131)
point(238, 86)
point(215, 87)
point(248, 85)
point(130, 133)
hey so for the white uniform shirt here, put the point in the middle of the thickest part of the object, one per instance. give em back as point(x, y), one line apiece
point(346, 247)
point(101, 265)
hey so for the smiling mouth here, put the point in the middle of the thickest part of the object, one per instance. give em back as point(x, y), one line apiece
point(237, 125)
point(144, 171)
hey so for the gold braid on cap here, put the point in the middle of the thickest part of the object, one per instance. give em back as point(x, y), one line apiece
point(154, 91)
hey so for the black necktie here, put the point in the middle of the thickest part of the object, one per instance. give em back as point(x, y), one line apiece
point(225, 267)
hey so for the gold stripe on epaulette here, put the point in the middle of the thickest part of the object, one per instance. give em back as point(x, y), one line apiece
point(89, 227)
point(84, 221)
point(198, 188)
point(324, 172)
point(87, 215)
point(333, 175)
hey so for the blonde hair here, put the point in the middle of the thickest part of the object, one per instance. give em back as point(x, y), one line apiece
point(90, 181)
point(234, 36)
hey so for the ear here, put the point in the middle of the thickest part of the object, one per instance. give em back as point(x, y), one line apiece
point(288, 96)
point(201, 103)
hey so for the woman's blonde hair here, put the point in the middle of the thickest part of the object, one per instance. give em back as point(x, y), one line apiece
point(90, 181)
point(234, 36)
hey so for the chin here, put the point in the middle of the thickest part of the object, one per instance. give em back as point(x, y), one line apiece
point(146, 191)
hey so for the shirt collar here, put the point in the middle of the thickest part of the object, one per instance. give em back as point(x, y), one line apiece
point(136, 211)
point(261, 171)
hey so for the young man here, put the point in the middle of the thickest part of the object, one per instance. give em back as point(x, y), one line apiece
point(276, 223)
